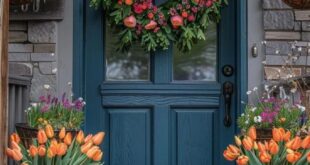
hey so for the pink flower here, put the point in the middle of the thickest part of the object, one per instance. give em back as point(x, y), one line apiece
point(151, 25)
point(176, 21)
point(209, 3)
point(156, 29)
point(130, 21)
point(191, 18)
point(138, 8)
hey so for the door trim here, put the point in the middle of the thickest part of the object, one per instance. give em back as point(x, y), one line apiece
point(93, 58)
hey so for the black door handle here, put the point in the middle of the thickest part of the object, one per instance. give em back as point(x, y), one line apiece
point(228, 89)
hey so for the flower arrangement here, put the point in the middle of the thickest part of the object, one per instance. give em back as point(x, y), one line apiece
point(183, 22)
point(46, 150)
point(56, 112)
point(281, 149)
point(271, 112)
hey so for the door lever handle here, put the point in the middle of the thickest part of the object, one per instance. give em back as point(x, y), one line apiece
point(228, 89)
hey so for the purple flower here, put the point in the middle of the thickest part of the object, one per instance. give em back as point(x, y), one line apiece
point(67, 104)
point(268, 116)
point(45, 108)
point(42, 99)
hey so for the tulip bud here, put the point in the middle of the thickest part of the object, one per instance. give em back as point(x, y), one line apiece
point(17, 155)
point(306, 143)
point(252, 133)
point(88, 138)
point(98, 156)
point(238, 141)
point(41, 150)
point(24, 163)
point(242, 160)
point(247, 143)
point(15, 138)
point(98, 138)
point(264, 157)
point(80, 137)
point(92, 151)
point(61, 149)
point(62, 133)
point(33, 151)
point(86, 147)
point(51, 153)
point(273, 147)
point(308, 157)
point(14, 145)
point(255, 146)
point(49, 131)
point(293, 157)
point(9, 152)
point(42, 138)
point(68, 139)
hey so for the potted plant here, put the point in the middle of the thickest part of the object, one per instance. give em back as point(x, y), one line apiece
point(46, 150)
point(282, 149)
point(272, 112)
point(59, 113)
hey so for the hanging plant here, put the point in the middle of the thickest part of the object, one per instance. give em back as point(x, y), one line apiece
point(298, 4)
point(183, 22)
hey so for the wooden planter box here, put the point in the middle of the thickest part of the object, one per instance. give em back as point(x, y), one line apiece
point(298, 4)
point(20, 2)
point(27, 133)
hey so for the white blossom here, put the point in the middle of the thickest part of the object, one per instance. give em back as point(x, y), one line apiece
point(302, 108)
point(253, 109)
point(242, 114)
point(248, 92)
point(257, 119)
point(246, 122)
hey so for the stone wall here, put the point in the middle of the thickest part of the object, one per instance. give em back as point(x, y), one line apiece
point(282, 24)
point(32, 53)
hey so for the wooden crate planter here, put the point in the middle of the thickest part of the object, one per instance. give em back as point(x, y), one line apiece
point(20, 2)
point(298, 4)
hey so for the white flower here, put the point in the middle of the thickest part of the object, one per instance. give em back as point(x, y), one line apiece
point(46, 86)
point(34, 104)
point(255, 89)
point(253, 109)
point(242, 114)
point(246, 122)
point(248, 92)
point(84, 103)
point(80, 99)
point(302, 108)
point(257, 119)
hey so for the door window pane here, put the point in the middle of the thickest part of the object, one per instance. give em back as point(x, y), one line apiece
point(131, 66)
point(200, 64)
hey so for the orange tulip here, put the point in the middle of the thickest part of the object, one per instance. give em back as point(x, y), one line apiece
point(273, 147)
point(247, 143)
point(264, 157)
point(242, 160)
point(86, 147)
point(98, 138)
point(292, 156)
point(17, 155)
point(14, 145)
point(54, 142)
point(33, 151)
point(231, 153)
point(277, 134)
point(24, 163)
point(306, 143)
point(61, 149)
point(49, 131)
point(51, 153)
point(88, 138)
point(294, 144)
point(92, 151)
point(261, 147)
point(62, 133)
point(68, 138)
point(41, 150)
point(15, 138)
point(42, 138)
point(252, 133)
point(238, 141)
point(80, 137)
point(98, 156)
point(9, 152)
point(308, 157)
point(287, 136)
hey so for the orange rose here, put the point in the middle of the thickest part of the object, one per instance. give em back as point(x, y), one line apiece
point(62, 133)
point(80, 137)
point(292, 156)
point(294, 144)
point(264, 157)
point(42, 138)
point(49, 131)
point(252, 133)
point(61, 149)
point(33, 151)
point(273, 147)
point(247, 143)
point(68, 138)
point(306, 143)
point(128, 2)
point(98, 138)
point(41, 150)
point(242, 160)
point(15, 138)
point(130, 21)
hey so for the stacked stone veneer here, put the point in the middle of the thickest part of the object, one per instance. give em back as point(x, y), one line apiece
point(282, 24)
point(32, 46)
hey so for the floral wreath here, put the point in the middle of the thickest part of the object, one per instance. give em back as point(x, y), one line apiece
point(183, 22)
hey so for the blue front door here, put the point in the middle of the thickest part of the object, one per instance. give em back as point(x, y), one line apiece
point(161, 108)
